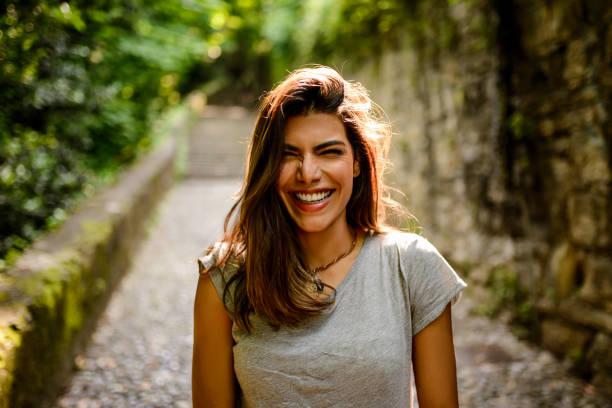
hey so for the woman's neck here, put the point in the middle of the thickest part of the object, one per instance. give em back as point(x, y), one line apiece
point(321, 247)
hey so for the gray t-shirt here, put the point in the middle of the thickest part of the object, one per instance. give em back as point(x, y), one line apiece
point(358, 352)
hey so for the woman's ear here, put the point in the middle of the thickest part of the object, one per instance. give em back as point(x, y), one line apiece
point(356, 169)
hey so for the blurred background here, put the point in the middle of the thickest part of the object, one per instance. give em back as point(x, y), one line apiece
point(501, 114)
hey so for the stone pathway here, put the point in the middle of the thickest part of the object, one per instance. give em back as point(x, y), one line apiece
point(495, 369)
point(140, 354)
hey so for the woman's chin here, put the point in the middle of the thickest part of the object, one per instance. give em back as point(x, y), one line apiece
point(311, 229)
point(317, 226)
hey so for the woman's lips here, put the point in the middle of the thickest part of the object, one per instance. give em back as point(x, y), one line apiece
point(311, 201)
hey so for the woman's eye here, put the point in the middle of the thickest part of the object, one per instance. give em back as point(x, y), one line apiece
point(332, 152)
point(288, 153)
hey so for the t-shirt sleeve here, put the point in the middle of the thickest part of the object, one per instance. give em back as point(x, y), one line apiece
point(432, 282)
point(219, 276)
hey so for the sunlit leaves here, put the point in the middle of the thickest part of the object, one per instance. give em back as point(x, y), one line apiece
point(68, 15)
point(82, 81)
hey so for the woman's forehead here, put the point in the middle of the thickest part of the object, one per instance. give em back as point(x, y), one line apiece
point(314, 128)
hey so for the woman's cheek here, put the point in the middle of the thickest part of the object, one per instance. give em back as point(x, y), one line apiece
point(284, 175)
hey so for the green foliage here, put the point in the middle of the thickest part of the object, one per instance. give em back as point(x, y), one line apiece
point(82, 83)
point(507, 295)
point(336, 32)
point(520, 126)
point(319, 30)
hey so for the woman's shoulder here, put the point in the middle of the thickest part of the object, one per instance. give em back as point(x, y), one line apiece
point(417, 257)
point(218, 257)
point(408, 248)
point(405, 241)
point(219, 263)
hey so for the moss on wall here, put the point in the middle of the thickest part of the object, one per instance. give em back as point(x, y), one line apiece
point(56, 291)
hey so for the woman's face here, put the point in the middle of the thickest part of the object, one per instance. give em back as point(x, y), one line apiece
point(316, 175)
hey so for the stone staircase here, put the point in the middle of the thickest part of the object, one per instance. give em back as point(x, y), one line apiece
point(218, 143)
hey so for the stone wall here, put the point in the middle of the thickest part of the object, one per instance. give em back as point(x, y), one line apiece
point(503, 149)
point(52, 296)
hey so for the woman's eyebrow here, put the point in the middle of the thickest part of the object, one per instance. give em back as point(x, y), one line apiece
point(290, 147)
point(328, 144)
point(287, 146)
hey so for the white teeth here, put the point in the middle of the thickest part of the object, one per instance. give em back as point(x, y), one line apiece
point(313, 198)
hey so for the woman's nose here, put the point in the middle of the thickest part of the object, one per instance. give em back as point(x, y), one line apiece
point(308, 170)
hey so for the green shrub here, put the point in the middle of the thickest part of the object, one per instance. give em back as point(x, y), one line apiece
point(506, 294)
point(82, 83)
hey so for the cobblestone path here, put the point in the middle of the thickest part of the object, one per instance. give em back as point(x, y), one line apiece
point(140, 354)
point(494, 369)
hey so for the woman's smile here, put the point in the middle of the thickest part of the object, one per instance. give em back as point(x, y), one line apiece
point(311, 201)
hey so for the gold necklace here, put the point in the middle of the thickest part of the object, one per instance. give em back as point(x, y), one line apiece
point(317, 284)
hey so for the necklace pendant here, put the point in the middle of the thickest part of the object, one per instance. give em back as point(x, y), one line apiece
point(318, 285)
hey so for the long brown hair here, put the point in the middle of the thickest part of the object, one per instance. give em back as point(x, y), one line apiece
point(260, 238)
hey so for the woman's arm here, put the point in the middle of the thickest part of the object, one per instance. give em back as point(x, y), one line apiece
point(212, 374)
point(433, 358)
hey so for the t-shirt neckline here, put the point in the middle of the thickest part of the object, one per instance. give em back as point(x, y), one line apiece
point(356, 263)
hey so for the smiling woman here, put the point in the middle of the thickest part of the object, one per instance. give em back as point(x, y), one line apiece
point(310, 299)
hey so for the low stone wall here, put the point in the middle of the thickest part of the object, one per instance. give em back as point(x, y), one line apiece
point(51, 298)
point(503, 148)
